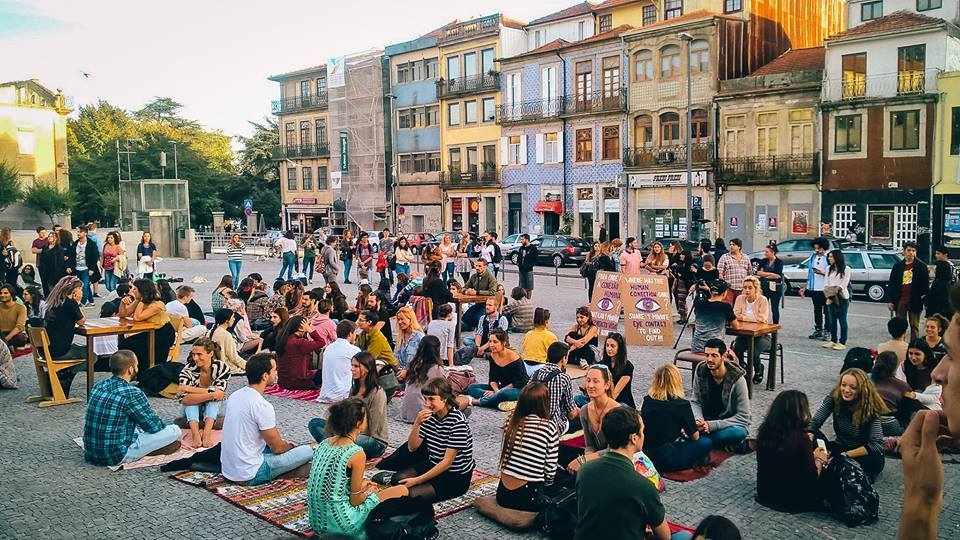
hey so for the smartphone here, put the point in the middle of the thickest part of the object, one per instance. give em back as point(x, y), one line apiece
point(821, 445)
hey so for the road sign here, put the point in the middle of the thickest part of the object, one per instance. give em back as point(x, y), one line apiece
point(344, 158)
point(247, 207)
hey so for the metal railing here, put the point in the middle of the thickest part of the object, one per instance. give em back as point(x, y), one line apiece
point(301, 151)
point(299, 103)
point(802, 168)
point(598, 102)
point(469, 29)
point(861, 85)
point(667, 156)
point(529, 111)
point(487, 175)
point(487, 82)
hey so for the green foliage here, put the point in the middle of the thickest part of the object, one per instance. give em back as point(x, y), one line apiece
point(10, 189)
point(48, 199)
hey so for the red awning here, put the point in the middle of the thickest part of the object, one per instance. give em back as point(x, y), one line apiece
point(555, 207)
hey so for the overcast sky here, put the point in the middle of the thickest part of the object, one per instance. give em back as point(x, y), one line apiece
point(213, 56)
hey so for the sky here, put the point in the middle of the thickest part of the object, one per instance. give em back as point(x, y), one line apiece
point(212, 56)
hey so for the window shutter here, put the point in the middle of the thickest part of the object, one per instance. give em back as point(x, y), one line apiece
point(560, 147)
point(523, 149)
point(504, 150)
point(539, 147)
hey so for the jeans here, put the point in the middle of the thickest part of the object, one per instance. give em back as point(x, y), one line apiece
point(726, 437)
point(403, 268)
point(347, 265)
point(912, 318)
point(276, 464)
point(505, 394)
point(371, 446)
point(235, 271)
point(837, 316)
point(819, 308)
point(110, 280)
point(150, 442)
point(84, 276)
point(471, 317)
point(308, 264)
point(450, 271)
point(289, 258)
point(761, 346)
point(211, 410)
point(774, 300)
point(680, 455)
point(465, 355)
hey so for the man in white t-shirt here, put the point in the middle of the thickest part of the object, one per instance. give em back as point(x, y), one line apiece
point(252, 451)
point(336, 376)
point(192, 329)
point(445, 329)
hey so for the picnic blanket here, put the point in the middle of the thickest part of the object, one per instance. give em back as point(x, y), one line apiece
point(186, 450)
point(300, 395)
point(688, 475)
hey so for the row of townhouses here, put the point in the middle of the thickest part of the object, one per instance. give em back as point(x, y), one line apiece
point(844, 112)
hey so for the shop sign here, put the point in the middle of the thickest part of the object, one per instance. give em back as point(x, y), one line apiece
point(799, 221)
point(305, 200)
point(951, 226)
point(585, 206)
point(611, 205)
point(679, 178)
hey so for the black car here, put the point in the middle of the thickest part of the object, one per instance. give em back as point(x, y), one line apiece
point(558, 250)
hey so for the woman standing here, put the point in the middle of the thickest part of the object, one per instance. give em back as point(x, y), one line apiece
point(217, 298)
point(309, 257)
point(203, 387)
point(50, 263)
point(295, 347)
point(364, 256)
point(146, 252)
point(789, 462)
point(403, 256)
point(462, 263)
point(235, 256)
point(621, 369)
point(339, 499)
point(449, 253)
point(346, 254)
point(657, 261)
point(111, 250)
point(856, 408)
point(837, 290)
point(410, 334)
point(938, 299)
point(288, 252)
point(225, 340)
point(597, 384)
point(144, 305)
point(425, 365)
point(528, 456)
point(670, 436)
point(600, 261)
point(582, 338)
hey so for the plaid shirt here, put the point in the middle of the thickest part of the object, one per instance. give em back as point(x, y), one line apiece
point(733, 271)
point(115, 408)
point(560, 389)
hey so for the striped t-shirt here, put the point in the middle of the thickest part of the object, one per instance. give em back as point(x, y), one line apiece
point(534, 454)
point(234, 252)
point(451, 431)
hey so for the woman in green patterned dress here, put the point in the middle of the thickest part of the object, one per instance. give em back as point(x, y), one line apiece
point(338, 497)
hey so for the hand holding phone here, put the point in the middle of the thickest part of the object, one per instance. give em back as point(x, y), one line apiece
point(821, 445)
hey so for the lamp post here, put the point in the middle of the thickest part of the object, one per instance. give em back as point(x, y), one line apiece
point(687, 38)
point(394, 169)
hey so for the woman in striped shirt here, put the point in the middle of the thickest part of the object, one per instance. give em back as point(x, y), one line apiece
point(235, 257)
point(202, 389)
point(528, 459)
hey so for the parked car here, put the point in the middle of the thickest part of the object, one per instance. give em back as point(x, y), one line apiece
point(455, 237)
point(870, 272)
point(687, 245)
point(796, 250)
point(558, 250)
point(418, 240)
point(510, 244)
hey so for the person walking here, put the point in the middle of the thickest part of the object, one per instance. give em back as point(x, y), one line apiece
point(908, 287)
point(309, 257)
point(346, 254)
point(329, 260)
point(288, 249)
point(817, 268)
point(146, 252)
point(235, 256)
point(526, 259)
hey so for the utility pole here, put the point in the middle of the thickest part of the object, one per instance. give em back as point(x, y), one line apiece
point(176, 173)
point(687, 38)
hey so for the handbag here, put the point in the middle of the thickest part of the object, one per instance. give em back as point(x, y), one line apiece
point(387, 379)
point(381, 262)
point(460, 378)
point(558, 519)
point(385, 523)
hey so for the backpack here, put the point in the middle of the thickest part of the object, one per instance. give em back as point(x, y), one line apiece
point(497, 254)
point(858, 357)
point(381, 525)
point(558, 519)
point(848, 492)
point(155, 379)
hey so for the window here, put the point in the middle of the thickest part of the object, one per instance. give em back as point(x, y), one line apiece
point(584, 145)
point(489, 156)
point(404, 73)
point(611, 142)
point(537, 38)
point(551, 148)
point(669, 129)
point(513, 149)
point(854, 259)
point(323, 178)
point(611, 76)
point(669, 62)
point(304, 88)
point(801, 132)
point(699, 56)
point(321, 85)
point(732, 6)
point(854, 75)
point(924, 5)
point(291, 178)
point(882, 261)
point(847, 133)
point(454, 159)
point(643, 66)
point(606, 23)
point(470, 112)
point(305, 133)
point(581, 26)
point(871, 10)
point(486, 61)
point(470, 66)
point(405, 118)
point(649, 14)
point(905, 130)
point(291, 134)
point(472, 157)
point(453, 67)
point(643, 131)
point(26, 141)
point(321, 131)
point(584, 85)
point(699, 126)
point(768, 134)
point(307, 179)
point(955, 131)
point(672, 9)
point(910, 68)
point(733, 137)
point(430, 68)
point(431, 116)
point(489, 110)
point(453, 114)
point(844, 219)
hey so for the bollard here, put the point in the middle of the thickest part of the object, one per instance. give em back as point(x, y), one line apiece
point(556, 276)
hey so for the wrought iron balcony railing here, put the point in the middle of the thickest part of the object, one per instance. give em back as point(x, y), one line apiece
point(301, 151)
point(299, 103)
point(667, 156)
point(865, 86)
point(529, 111)
point(474, 84)
point(469, 30)
point(799, 169)
point(598, 102)
point(472, 176)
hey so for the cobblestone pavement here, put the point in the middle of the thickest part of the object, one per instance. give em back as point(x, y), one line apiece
point(48, 491)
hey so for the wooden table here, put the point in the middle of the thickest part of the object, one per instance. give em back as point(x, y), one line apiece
point(753, 331)
point(459, 299)
point(112, 326)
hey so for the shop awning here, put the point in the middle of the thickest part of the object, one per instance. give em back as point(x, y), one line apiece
point(542, 207)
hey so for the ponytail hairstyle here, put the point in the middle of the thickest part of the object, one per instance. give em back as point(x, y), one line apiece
point(534, 399)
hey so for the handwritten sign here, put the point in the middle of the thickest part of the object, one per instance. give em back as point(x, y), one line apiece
point(605, 306)
point(649, 318)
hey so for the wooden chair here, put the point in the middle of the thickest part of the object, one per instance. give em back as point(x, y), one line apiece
point(177, 322)
point(47, 369)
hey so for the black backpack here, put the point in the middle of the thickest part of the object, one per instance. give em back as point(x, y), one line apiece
point(558, 519)
point(155, 379)
point(497, 254)
point(385, 525)
point(849, 494)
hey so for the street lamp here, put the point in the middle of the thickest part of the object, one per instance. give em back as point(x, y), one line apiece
point(394, 168)
point(687, 38)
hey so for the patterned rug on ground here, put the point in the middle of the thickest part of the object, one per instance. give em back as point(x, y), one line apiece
point(688, 475)
point(481, 484)
point(300, 395)
point(186, 450)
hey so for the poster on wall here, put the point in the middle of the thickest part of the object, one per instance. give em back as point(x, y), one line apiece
point(605, 305)
point(734, 223)
point(799, 221)
point(649, 317)
point(761, 221)
point(951, 226)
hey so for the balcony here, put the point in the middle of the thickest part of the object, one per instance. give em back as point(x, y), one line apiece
point(788, 169)
point(474, 84)
point(303, 151)
point(854, 86)
point(469, 30)
point(597, 103)
point(299, 103)
point(673, 157)
point(487, 175)
point(529, 111)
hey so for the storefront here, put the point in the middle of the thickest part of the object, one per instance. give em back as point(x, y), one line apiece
point(551, 209)
point(763, 214)
point(596, 206)
point(660, 200)
point(882, 217)
point(946, 223)
point(305, 215)
point(474, 212)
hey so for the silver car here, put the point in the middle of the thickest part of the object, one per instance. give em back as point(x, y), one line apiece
point(795, 250)
point(869, 272)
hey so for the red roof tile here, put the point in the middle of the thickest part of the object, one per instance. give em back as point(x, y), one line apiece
point(810, 59)
point(562, 44)
point(614, 32)
point(898, 20)
point(582, 8)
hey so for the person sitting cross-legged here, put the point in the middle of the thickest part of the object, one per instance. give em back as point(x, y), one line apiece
point(480, 283)
point(337, 357)
point(720, 401)
point(519, 313)
point(533, 349)
point(528, 457)
point(252, 451)
point(203, 387)
point(507, 374)
point(671, 439)
point(13, 317)
point(477, 346)
point(296, 344)
point(120, 427)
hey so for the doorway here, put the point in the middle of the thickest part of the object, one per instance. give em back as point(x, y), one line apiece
point(880, 225)
point(611, 221)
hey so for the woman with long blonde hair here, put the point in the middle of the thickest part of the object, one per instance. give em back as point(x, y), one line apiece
point(657, 260)
point(671, 439)
point(856, 408)
point(409, 335)
point(448, 262)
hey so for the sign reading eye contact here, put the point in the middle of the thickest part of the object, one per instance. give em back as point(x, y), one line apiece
point(644, 298)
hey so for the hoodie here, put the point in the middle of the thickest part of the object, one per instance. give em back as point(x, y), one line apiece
point(733, 395)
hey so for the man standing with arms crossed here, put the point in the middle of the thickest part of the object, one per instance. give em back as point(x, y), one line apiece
point(526, 259)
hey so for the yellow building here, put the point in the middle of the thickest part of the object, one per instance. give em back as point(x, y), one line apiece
point(614, 13)
point(469, 92)
point(33, 140)
point(946, 166)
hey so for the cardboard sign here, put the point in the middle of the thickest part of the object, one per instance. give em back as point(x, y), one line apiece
point(605, 305)
point(649, 317)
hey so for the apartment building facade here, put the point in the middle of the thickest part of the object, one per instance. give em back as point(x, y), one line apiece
point(945, 220)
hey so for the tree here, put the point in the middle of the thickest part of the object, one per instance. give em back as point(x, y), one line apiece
point(48, 199)
point(160, 109)
point(256, 156)
point(10, 190)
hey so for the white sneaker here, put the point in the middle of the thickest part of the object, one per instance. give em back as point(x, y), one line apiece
point(827, 344)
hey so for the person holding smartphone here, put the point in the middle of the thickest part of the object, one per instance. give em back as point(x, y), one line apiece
point(817, 267)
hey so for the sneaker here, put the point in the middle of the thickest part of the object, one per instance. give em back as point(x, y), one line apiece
point(758, 375)
point(826, 337)
point(826, 344)
point(817, 334)
point(839, 346)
